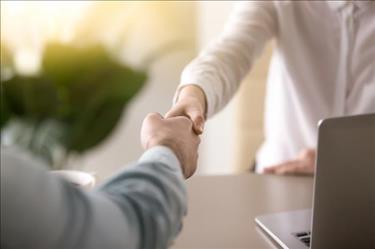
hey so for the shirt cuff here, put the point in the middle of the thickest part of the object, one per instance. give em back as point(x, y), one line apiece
point(163, 155)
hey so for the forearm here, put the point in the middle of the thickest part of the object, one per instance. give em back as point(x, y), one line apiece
point(158, 203)
point(141, 207)
point(219, 69)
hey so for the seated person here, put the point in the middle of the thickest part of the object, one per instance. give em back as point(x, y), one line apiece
point(141, 207)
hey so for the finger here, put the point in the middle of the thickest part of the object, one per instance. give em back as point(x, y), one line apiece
point(288, 168)
point(186, 121)
point(195, 116)
point(272, 169)
point(284, 168)
point(175, 112)
point(198, 121)
point(269, 170)
point(150, 120)
point(308, 153)
point(154, 116)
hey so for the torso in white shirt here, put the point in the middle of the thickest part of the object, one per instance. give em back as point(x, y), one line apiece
point(323, 66)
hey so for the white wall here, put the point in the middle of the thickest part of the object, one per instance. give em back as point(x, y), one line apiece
point(218, 143)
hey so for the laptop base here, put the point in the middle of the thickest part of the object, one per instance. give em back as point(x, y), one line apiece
point(289, 229)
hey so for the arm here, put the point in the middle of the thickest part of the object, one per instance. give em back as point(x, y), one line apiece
point(218, 70)
point(141, 207)
point(155, 195)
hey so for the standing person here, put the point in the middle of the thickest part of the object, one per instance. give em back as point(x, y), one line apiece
point(140, 207)
point(323, 65)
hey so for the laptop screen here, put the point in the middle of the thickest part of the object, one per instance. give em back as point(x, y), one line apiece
point(344, 196)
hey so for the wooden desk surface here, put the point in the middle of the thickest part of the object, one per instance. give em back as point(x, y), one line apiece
point(222, 208)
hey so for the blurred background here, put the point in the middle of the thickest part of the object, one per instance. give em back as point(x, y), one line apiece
point(155, 39)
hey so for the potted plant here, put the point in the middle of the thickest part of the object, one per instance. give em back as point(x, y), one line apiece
point(70, 106)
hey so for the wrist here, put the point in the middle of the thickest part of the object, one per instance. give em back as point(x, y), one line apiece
point(161, 141)
point(162, 154)
point(193, 92)
point(158, 141)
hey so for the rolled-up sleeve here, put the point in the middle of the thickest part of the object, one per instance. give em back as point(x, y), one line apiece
point(219, 68)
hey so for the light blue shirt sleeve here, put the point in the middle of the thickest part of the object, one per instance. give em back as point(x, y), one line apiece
point(141, 207)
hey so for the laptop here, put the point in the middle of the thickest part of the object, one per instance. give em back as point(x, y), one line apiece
point(343, 213)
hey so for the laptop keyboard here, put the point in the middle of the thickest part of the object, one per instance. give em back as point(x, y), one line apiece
point(304, 237)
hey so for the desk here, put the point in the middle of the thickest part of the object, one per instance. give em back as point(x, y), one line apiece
point(222, 208)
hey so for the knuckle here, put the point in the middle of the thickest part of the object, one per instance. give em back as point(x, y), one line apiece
point(186, 121)
point(151, 115)
point(175, 111)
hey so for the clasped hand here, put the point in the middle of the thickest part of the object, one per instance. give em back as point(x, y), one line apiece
point(177, 134)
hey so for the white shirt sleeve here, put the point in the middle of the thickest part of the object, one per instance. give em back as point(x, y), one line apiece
point(220, 67)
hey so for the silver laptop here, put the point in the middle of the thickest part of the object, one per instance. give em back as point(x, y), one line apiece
point(343, 214)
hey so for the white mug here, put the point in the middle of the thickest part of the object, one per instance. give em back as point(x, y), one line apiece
point(79, 178)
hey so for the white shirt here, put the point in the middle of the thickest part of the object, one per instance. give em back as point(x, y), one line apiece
point(323, 65)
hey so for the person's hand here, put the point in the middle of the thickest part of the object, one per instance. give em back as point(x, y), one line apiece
point(191, 103)
point(177, 134)
point(304, 164)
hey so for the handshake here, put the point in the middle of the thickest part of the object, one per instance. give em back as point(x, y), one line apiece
point(189, 110)
point(180, 129)
point(175, 133)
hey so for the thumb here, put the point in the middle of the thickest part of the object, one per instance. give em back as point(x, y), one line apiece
point(175, 112)
point(192, 113)
point(198, 121)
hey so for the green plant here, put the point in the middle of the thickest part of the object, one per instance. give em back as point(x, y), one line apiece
point(71, 105)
